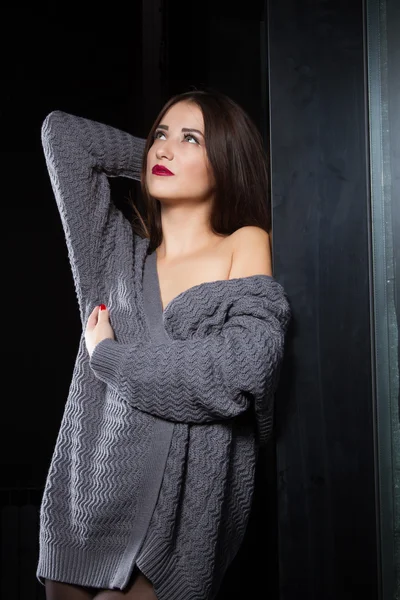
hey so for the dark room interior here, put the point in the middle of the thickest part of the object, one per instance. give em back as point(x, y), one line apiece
point(321, 82)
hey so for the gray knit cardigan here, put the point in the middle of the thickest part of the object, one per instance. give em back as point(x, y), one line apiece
point(155, 457)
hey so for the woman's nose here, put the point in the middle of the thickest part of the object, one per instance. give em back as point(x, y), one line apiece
point(164, 150)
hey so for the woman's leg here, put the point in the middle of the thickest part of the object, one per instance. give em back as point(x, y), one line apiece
point(57, 590)
point(139, 588)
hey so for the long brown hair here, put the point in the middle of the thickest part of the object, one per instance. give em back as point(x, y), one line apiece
point(239, 162)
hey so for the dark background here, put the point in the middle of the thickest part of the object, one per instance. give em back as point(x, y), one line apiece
point(298, 68)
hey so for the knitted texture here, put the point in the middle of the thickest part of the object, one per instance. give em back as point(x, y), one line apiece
point(189, 413)
point(226, 341)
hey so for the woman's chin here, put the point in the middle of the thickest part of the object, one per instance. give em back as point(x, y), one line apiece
point(163, 198)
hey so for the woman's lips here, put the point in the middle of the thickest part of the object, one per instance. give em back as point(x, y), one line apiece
point(163, 171)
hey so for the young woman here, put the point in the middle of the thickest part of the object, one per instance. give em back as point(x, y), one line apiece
point(151, 482)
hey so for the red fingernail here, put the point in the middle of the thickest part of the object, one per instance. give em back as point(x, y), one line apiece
point(102, 307)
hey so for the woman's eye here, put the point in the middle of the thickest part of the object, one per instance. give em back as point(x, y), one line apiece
point(189, 135)
point(186, 136)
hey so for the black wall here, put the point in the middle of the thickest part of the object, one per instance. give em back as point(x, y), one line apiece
point(320, 178)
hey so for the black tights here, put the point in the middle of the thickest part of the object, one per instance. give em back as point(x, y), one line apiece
point(138, 588)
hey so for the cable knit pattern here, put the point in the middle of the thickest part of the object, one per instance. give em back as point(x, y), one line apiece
point(155, 457)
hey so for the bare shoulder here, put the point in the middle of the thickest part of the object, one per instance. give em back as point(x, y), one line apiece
point(251, 252)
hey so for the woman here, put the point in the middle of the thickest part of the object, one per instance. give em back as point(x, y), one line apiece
point(151, 481)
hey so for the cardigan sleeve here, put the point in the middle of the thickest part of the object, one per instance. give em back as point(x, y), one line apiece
point(199, 380)
point(80, 155)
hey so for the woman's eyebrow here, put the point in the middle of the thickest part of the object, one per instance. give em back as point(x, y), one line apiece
point(183, 129)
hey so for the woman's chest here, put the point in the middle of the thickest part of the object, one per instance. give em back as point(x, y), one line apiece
point(173, 279)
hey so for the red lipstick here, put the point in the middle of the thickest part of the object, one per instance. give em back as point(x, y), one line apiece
point(160, 170)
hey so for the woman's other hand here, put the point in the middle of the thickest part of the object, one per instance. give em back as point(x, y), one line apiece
point(98, 328)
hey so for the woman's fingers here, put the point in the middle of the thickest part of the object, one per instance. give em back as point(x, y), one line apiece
point(92, 320)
